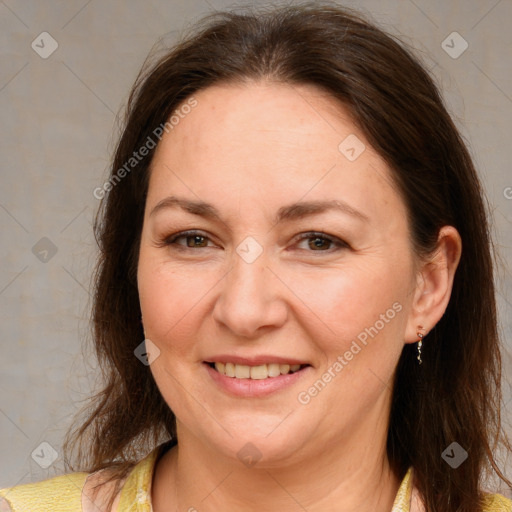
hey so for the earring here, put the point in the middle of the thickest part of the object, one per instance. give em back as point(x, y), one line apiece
point(420, 336)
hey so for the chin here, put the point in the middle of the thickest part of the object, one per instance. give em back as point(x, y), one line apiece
point(254, 439)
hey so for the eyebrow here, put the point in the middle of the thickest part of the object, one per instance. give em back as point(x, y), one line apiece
point(286, 213)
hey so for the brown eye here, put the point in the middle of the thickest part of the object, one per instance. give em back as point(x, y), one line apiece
point(320, 242)
point(193, 240)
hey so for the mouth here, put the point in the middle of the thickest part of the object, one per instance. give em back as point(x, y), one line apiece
point(256, 372)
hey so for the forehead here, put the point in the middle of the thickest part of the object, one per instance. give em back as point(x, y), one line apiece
point(266, 141)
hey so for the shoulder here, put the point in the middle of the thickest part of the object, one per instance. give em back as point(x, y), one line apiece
point(408, 493)
point(86, 492)
point(496, 503)
point(59, 494)
point(81, 492)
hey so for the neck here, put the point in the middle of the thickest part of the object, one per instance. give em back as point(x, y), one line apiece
point(349, 475)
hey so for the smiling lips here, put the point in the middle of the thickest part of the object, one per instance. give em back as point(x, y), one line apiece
point(259, 372)
point(255, 376)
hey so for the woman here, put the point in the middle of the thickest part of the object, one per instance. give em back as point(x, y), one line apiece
point(295, 228)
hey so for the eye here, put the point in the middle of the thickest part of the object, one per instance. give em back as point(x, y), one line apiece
point(316, 241)
point(320, 242)
point(193, 239)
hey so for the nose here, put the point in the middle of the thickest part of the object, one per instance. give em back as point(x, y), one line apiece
point(251, 299)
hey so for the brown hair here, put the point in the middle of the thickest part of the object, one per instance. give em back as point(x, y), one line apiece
point(455, 395)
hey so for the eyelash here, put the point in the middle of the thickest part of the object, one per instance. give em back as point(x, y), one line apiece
point(170, 241)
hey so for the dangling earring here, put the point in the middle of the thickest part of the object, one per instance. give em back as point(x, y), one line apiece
point(143, 330)
point(420, 336)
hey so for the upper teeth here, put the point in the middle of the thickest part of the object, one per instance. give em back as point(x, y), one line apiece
point(263, 371)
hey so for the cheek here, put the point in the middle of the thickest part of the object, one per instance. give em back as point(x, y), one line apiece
point(358, 328)
point(171, 296)
point(345, 303)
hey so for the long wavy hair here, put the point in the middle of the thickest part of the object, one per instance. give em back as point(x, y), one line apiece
point(455, 395)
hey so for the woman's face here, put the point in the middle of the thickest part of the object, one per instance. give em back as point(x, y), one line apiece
point(300, 255)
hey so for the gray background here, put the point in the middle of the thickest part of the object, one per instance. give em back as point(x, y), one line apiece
point(58, 131)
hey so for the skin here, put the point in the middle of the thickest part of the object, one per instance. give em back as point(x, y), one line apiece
point(250, 150)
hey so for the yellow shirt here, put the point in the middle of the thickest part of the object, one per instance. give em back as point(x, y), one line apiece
point(64, 493)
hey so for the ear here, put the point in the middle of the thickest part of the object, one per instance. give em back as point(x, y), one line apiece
point(434, 284)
